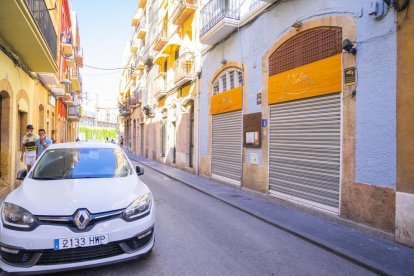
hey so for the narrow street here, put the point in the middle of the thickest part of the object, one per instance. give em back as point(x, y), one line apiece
point(199, 235)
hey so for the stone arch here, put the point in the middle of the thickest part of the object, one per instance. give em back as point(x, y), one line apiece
point(230, 64)
point(6, 109)
point(348, 28)
point(41, 123)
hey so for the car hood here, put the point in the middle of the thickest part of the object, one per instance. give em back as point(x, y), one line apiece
point(64, 197)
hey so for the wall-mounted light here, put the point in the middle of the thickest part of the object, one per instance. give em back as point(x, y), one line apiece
point(65, 82)
point(348, 46)
point(297, 24)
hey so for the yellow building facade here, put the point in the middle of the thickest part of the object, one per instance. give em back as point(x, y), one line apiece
point(160, 96)
point(29, 77)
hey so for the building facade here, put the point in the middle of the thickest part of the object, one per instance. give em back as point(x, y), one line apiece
point(158, 90)
point(296, 100)
point(30, 74)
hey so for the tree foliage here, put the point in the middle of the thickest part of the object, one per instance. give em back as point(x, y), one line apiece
point(97, 133)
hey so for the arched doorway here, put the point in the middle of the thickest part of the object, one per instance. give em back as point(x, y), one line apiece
point(134, 139)
point(304, 94)
point(5, 120)
point(41, 123)
point(22, 121)
point(227, 88)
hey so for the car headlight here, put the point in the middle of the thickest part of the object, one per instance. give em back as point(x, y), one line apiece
point(17, 218)
point(139, 208)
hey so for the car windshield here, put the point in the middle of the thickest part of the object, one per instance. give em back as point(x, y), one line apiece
point(76, 163)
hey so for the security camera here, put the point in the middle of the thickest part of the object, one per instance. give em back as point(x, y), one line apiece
point(348, 46)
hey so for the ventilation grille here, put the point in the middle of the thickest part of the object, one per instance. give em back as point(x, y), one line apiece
point(307, 47)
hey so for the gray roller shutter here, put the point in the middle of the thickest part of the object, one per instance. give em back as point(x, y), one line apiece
point(304, 157)
point(226, 158)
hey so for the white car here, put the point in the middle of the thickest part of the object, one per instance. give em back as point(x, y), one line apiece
point(81, 205)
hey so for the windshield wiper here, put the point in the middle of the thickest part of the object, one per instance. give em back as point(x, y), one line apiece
point(46, 178)
point(80, 177)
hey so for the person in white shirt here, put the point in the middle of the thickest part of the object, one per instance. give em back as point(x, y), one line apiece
point(29, 148)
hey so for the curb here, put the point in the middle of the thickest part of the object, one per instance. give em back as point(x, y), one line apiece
point(357, 260)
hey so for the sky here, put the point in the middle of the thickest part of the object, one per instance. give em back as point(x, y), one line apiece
point(104, 28)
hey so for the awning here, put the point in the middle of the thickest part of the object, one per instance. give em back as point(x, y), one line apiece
point(160, 58)
point(172, 44)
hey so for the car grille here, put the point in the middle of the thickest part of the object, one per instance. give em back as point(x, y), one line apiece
point(21, 258)
point(80, 254)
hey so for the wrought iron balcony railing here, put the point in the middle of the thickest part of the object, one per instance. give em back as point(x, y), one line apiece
point(159, 85)
point(216, 10)
point(73, 112)
point(41, 15)
point(161, 36)
point(184, 67)
point(182, 10)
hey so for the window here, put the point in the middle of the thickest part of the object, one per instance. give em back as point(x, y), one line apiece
point(227, 80)
point(224, 82)
point(216, 88)
point(240, 74)
point(231, 74)
point(76, 163)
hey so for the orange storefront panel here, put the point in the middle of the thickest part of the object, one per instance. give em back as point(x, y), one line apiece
point(227, 101)
point(314, 79)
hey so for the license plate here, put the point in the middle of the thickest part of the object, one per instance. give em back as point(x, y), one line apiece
point(84, 241)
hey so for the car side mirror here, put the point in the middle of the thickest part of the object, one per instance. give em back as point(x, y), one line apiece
point(139, 170)
point(21, 175)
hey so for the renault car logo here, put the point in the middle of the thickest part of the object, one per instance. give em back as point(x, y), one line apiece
point(81, 218)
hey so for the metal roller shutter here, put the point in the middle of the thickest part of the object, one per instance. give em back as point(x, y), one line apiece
point(226, 161)
point(304, 160)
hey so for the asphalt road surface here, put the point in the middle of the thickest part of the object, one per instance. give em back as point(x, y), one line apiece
point(200, 235)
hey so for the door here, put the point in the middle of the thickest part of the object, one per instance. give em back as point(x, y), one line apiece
point(226, 160)
point(191, 144)
point(304, 156)
point(174, 141)
point(142, 139)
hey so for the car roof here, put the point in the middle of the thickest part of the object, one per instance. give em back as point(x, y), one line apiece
point(83, 145)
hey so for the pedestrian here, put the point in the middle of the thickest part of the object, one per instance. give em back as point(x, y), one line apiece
point(112, 141)
point(121, 141)
point(107, 140)
point(43, 142)
point(77, 139)
point(53, 136)
point(29, 149)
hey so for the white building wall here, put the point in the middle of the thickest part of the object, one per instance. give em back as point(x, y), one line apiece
point(376, 67)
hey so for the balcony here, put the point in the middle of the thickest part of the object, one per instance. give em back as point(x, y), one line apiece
point(141, 4)
point(183, 9)
point(79, 58)
point(219, 19)
point(184, 69)
point(141, 29)
point(134, 45)
point(48, 78)
point(26, 27)
point(67, 48)
point(136, 18)
point(73, 113)
point(70, 62)
point(58, 91)
point(124, 110)
point(162, 36)
point(135, 100)
point(75, 79)
point(69, 98)
point(148, 57)
point(159, 85)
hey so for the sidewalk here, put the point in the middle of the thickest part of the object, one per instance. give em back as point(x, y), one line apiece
point(373, 253)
